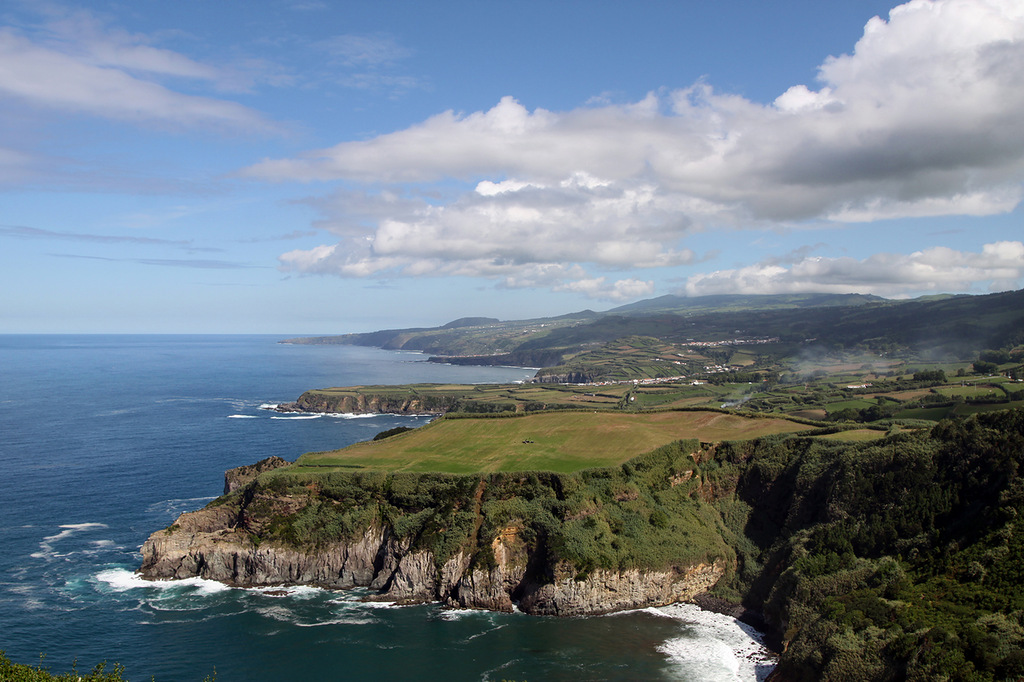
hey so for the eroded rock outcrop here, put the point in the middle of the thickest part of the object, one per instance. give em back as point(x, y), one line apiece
point(368, 403)
point(241, 476)
point(217, 543)
point(604, 591)
point(213, 543)
point(588, 542)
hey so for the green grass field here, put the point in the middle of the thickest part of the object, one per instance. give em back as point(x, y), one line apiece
point(971, 391)
point(855, 435)
point(855, 404)
point(559, 441)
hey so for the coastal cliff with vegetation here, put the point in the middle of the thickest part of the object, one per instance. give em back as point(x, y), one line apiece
point(545, 542)
point(896, 558)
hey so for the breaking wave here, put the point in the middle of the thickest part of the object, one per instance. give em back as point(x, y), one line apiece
point(715, 647)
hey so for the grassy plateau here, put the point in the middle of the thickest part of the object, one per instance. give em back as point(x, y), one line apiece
point(551, 441)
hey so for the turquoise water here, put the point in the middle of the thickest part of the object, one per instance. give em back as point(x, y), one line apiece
point(105, 439)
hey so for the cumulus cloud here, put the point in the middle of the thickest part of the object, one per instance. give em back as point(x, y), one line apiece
point(1001, 264)
point(922, 118)
point(75, 64)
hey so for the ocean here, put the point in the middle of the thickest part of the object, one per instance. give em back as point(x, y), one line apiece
point(105, 439)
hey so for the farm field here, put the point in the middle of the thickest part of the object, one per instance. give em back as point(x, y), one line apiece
point(556, 441)
point(855, 435)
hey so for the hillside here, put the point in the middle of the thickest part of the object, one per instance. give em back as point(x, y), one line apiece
point(953, 327)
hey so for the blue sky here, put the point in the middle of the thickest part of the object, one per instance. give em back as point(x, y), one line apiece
point(305, 167)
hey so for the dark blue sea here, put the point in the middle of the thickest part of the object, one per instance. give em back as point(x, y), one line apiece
point(105, 439)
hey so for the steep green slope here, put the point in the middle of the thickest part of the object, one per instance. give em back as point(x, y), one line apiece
point(900, 559)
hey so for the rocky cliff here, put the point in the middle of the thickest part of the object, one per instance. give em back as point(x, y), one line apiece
point(217, 543)
point(241, 476)
point(553, 544)
point(325, 402)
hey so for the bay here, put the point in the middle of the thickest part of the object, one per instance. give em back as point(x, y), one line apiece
point(104, 439)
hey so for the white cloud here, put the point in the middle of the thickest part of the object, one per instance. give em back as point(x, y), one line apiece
point(922, 118)
point(76, 65)
point(622, 290)
point(998, 267)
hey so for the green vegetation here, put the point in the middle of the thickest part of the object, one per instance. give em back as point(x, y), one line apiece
point(441, 398)
point(898, 557)
point(871, 513)
point(18, 672)
point(392, 432)
point(745, 333)
point(644, 513)
point(556, 441)
point(856, 359)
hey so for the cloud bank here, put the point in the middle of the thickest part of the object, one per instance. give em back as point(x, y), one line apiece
point(75, 64)
point(935, 269)
point(922, 118)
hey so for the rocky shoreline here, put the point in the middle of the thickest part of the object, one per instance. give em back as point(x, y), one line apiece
point(318, 403)
point(215, 544)
point(222, 542)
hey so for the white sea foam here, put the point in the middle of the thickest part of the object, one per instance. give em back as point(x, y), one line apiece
point(350, 415)
point(178, 505)
point(381, 605)
point(302, 416)
point(122, 580)
point(297, 591)
point(269, 406)
point(716, 647)
point(46, 550)
point(117, 413)
point(242, 416)
point(345, 620)
point(485, 631)
point(283, 614)
point(189, 619)
point(458, 614)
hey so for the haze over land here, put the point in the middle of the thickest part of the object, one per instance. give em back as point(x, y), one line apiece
point(311, 168)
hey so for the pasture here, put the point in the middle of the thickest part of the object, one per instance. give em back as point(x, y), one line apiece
point(556, 441)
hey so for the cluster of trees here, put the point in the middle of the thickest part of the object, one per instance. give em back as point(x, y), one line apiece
point(893, 560)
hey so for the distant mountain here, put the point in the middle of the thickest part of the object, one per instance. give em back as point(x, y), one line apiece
point(730, 302)
point(470, 322)
point(951, 325)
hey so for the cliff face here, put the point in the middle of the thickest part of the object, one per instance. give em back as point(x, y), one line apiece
point(241, 476)
point(315, 401)
point(552, 377)
point(217, 543)
point(554, 544)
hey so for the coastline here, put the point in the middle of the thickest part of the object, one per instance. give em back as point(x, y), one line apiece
point(754, 619)
point(712, 642)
